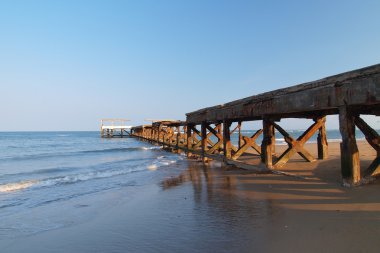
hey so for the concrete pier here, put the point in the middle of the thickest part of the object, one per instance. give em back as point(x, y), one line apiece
point(207, 132)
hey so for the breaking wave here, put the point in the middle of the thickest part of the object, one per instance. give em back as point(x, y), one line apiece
point(67, 179)
point(110, 171)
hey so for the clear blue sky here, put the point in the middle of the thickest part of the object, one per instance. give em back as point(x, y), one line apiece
point(66, 64)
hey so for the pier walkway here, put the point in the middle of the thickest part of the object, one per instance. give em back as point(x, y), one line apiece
point(207, 132)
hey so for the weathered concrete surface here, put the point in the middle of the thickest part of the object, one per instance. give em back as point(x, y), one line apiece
point(358, 88)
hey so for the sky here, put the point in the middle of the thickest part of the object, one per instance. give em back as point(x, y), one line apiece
point(64, 65)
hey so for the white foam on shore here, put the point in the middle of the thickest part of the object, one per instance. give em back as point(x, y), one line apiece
point(150, 148)
point(67, 179)
point(152, 167)
point(162, 161)
point(17, 186)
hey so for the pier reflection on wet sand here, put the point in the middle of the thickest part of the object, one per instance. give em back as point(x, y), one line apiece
point(271, 212)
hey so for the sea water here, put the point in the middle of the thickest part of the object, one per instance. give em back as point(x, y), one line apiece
point(45, 176)
point(45, 170)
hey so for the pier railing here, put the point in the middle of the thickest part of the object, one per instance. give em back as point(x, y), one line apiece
point(207, 132)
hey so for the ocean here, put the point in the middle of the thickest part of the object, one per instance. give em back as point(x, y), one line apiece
point(47, 178)
point(42, 170)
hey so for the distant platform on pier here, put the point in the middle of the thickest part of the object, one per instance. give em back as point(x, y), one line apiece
point(111, 128)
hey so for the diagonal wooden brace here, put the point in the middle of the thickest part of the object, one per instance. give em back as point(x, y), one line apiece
point(373, 139)
point(195, 141)
point(374, 169)
point(296, 145)
point(198, 143)
point(217, 133)
point(370, 134)
point(248, 142)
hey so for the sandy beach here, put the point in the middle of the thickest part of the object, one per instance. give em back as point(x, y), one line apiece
point(211, 208)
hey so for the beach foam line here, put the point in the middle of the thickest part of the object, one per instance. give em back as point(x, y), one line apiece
point(67, 179)
point(76, 178)
point(17, 186)
point(163, 161)
point(152, 167)
point(151, 148)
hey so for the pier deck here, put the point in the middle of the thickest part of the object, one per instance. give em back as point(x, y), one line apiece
point(207, 132)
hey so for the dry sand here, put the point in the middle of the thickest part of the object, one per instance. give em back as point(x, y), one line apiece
point(210, 208)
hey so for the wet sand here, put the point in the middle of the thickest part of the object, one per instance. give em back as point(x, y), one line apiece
point(211, 208)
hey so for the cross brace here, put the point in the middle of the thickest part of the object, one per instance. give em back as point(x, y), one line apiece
point(373, 139)
point(296, 145)
point(217, 133)
point(198, 143)
point(248, 142)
